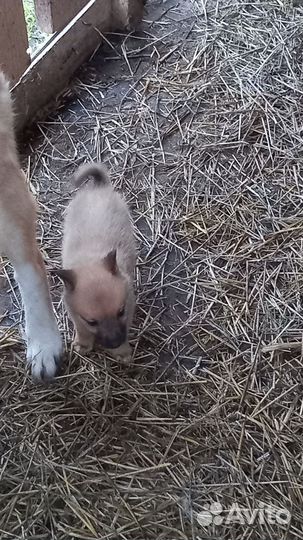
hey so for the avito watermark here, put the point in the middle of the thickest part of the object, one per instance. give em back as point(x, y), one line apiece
point(216, 514)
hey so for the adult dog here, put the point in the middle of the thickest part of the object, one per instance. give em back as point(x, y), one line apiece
point(18, 243)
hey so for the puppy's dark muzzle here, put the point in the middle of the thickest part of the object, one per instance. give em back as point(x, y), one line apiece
point(112, 342)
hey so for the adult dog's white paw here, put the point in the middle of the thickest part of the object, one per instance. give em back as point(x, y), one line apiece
point(44, 345)
point(44, 355)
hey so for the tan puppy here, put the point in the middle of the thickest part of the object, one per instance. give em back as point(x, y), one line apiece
point(18, 243)
point(99, 257)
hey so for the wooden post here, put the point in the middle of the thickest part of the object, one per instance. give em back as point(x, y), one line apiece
point(53, 15)
point(14, 58)
point(127, 14)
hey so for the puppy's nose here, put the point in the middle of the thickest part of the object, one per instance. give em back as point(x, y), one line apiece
point(112, 341)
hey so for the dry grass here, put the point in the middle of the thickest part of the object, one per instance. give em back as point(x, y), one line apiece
point(206, 144)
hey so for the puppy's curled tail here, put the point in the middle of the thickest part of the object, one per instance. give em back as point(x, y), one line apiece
point(97, 171)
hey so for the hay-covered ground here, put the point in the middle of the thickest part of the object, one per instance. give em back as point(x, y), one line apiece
point(199, 118)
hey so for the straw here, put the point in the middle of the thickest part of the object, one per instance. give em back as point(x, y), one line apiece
point(199, 119)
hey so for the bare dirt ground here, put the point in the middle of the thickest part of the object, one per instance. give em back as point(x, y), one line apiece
point(198, 117)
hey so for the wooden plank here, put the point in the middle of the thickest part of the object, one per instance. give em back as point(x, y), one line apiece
point(53, 15)
point(14, 58)
point(51, 71)
point(64, 11)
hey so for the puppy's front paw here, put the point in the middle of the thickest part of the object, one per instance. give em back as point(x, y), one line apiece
point(83, 342)
point(44, 355)
point(81, 348)
point(123, 354)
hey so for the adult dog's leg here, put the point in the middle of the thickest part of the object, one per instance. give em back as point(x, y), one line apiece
point(44, 346)
point(18, 242)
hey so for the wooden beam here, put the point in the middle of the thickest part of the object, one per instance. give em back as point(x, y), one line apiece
point(53, 15)
point(14, 58)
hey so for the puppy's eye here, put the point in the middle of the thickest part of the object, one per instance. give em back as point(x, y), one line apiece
point(121, 312)
point(91, 322)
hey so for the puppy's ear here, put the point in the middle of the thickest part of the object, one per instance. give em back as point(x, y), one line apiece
point(110, 262)
point(67, 276)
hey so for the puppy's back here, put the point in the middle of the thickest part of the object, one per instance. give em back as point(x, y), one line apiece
point(97, 221)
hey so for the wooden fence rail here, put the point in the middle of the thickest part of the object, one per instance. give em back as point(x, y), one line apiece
point(52, 17)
